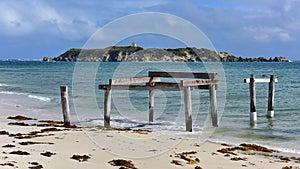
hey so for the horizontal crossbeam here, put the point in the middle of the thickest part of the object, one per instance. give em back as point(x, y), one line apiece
point(264, 80)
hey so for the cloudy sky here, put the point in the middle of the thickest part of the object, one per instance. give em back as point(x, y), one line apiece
point(32, 29)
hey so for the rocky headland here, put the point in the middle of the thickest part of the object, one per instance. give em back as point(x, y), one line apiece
point(135, 53)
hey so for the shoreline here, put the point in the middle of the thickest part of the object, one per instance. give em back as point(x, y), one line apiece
point(29, 143)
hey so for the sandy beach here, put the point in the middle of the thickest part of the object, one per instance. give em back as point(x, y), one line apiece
point(27, 142)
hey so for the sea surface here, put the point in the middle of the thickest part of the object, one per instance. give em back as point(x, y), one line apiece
point(34, 86)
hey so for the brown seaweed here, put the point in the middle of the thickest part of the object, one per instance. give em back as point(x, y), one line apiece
point(238, 159)
point(19, 152)
point(198, 167)
point(20, 118)
point(8, 146)
point(36, 165)
point(48, 154)
point(186, 156)
point(31, 143)
point(7, 164)
point(176, 162)
point(122, 163)
point(4, 132)
point(80, 158)
point(18, 124)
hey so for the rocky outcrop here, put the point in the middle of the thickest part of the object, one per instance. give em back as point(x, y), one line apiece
point(138, 54)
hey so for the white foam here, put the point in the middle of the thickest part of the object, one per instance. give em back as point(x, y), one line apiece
point(39, 98)
point(3, 85)
point(11, 93)
point(46, 99)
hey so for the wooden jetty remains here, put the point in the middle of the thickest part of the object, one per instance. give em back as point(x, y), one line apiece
point(202, 81)
point(251, 81)
point(65, 105)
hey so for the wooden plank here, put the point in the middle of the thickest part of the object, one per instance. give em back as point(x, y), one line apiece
point(213, 104)
point(188, 108)
point(158, 87)
point(181, 75)
point(107, 107)
point(253, 115)
point(65, 105)
point(199, 82)
point(151, 105)
point(260, 80)
point(271, 97)
point(127, 81)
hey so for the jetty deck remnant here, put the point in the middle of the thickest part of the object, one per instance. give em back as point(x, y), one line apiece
point(193, 80)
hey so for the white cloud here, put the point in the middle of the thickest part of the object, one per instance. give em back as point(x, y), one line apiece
point(12, 22)
point(268, 34)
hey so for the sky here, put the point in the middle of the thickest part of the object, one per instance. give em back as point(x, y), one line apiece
point(33, 29)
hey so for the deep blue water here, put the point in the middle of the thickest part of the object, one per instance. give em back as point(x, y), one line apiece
point(35, 86)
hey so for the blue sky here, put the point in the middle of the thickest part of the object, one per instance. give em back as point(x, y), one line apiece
point(32, 29)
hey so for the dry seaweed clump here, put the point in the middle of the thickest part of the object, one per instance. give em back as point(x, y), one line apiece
point(122, 163)
point(20, 118)
point(290, 167)
point(19, 153)
point(8, 164)
point(80, 158)
point(35, 165)
point(34, 142)
point(188, 157)
point(246, 147)
point(4, 132)
point(255, 147)
point(8, 146)
point(48, 154)
point(18, 124)
point(238, 159)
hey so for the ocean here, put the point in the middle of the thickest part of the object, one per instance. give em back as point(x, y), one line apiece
point(34, 87)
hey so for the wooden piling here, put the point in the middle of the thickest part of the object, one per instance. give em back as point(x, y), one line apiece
point(65, 105)
point(213, 103)
point(151, 105)
point(253, 114)
point(271, 97)
point(107, 107)
point(188, 108)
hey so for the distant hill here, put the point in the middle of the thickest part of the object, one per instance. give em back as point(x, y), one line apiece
point(139, 54)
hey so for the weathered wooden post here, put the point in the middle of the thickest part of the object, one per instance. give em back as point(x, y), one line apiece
point(65, 105)
point(107, 107)
point(253, 114)
point(271, 97)
point(188, 108)
point(151, 105)
point(213, 102)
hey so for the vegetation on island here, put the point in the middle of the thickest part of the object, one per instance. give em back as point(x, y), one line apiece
point(135, 53)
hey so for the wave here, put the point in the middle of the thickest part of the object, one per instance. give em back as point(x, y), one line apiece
point(41, 98)
point(3, 85)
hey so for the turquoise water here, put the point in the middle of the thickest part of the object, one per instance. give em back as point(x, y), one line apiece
point(34, 86)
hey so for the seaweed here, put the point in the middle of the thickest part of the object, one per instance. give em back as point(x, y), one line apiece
point(4, 132)
point(8, 146)
point(48, 154)
point(31, 143)
point(18, 124)
point(20, 118)
point(36, 165)
point(122, 163)
point(80, 158)
point(186, 156)
point(19, 152)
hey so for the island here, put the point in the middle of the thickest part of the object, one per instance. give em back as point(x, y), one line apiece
point(134, 53)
